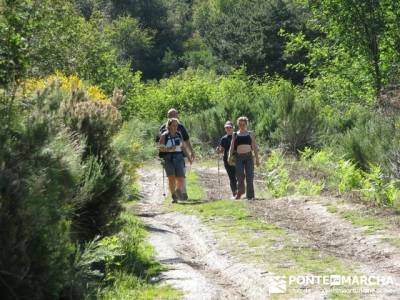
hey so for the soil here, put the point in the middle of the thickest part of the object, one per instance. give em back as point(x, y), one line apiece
point(202, 269)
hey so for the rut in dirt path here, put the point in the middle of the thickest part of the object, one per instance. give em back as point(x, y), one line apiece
point(196, 265)
point(322, 230)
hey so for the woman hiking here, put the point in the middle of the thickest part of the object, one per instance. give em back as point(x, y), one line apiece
point(172, 143)
point(224, 146)
point(173, 113)
point(242, 146)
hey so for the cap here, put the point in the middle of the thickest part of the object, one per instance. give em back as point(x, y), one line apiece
point(228, 124)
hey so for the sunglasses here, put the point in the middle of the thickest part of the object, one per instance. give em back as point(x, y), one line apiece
point(229, 127)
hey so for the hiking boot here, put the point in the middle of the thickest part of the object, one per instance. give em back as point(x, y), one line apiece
point(174, 198)
point(179, 195)
point(185, 196)
point(238, 195)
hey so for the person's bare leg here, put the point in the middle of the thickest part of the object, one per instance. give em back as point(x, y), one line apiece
point(184, 190)
point(172, 187)
point(180, 181)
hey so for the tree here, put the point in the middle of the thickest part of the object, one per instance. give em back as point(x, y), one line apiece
point(133, 42)
point(364, 28)
point(15, 31)
point(247, 32)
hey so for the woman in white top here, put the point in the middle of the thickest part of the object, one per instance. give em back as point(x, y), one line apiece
point(172, 143)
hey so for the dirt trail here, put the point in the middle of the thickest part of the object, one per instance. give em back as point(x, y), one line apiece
point(309, 219)
point(201, 270)
point(196, 265)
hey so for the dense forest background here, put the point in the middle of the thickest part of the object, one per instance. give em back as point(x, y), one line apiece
point(84, 85)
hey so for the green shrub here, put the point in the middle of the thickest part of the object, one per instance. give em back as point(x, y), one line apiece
point(57, 171)
point(40, 171)
point(369, 141)
point(299, 125)
point(277, 180)
point(318, 161)
point(134, 144)
point(187, 92)
point(308, 187)
point(379, 189)
point(127, 275)
point(347, 177)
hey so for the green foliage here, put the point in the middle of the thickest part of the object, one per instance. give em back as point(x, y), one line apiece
point(60, 182)
point(278, 181)
point(378, 188)
point(39, 174)
point(347, 176)
point(127, 274)
point(308, 187)
point(300, 124)
point(322, 160)
point(247, 33)
point(88, 267)
point(15, 32)
point(369, 141)
point(134, 144)
point(376, 45)
point(133, 43)
point(188, 93)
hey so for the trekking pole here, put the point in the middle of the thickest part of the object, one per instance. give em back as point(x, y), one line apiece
point(163, 178)
point(219, 180)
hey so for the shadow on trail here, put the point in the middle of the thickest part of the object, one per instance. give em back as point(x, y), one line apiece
point(155, 229)
point(150, 215)
point(179, 260)
point(193, 202)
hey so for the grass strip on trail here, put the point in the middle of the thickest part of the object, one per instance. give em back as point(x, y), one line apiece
point(363, 219)
point(266, 245)
point(130, 278)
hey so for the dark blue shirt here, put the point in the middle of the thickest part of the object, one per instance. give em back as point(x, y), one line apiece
point(225, 143)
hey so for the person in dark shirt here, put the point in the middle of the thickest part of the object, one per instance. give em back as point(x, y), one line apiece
point(224, 146)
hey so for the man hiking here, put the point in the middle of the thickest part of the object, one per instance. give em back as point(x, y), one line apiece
point(173, 114)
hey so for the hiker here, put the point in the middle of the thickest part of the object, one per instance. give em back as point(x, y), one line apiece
point(173, 113)
point(173, 144)
point(243, 145)
point(224, 145)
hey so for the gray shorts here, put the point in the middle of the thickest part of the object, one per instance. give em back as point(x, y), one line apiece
point(175, 164)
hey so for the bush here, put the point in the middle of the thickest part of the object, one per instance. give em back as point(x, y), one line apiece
point(299, 124)
point(134, 144)
point(58, 173)
point(322, 160)
point(369, 141)
point(346, 176)
point(127, 275)
point(308, 187)
point(378, 188)
point(40, 171)
point(278, 182)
